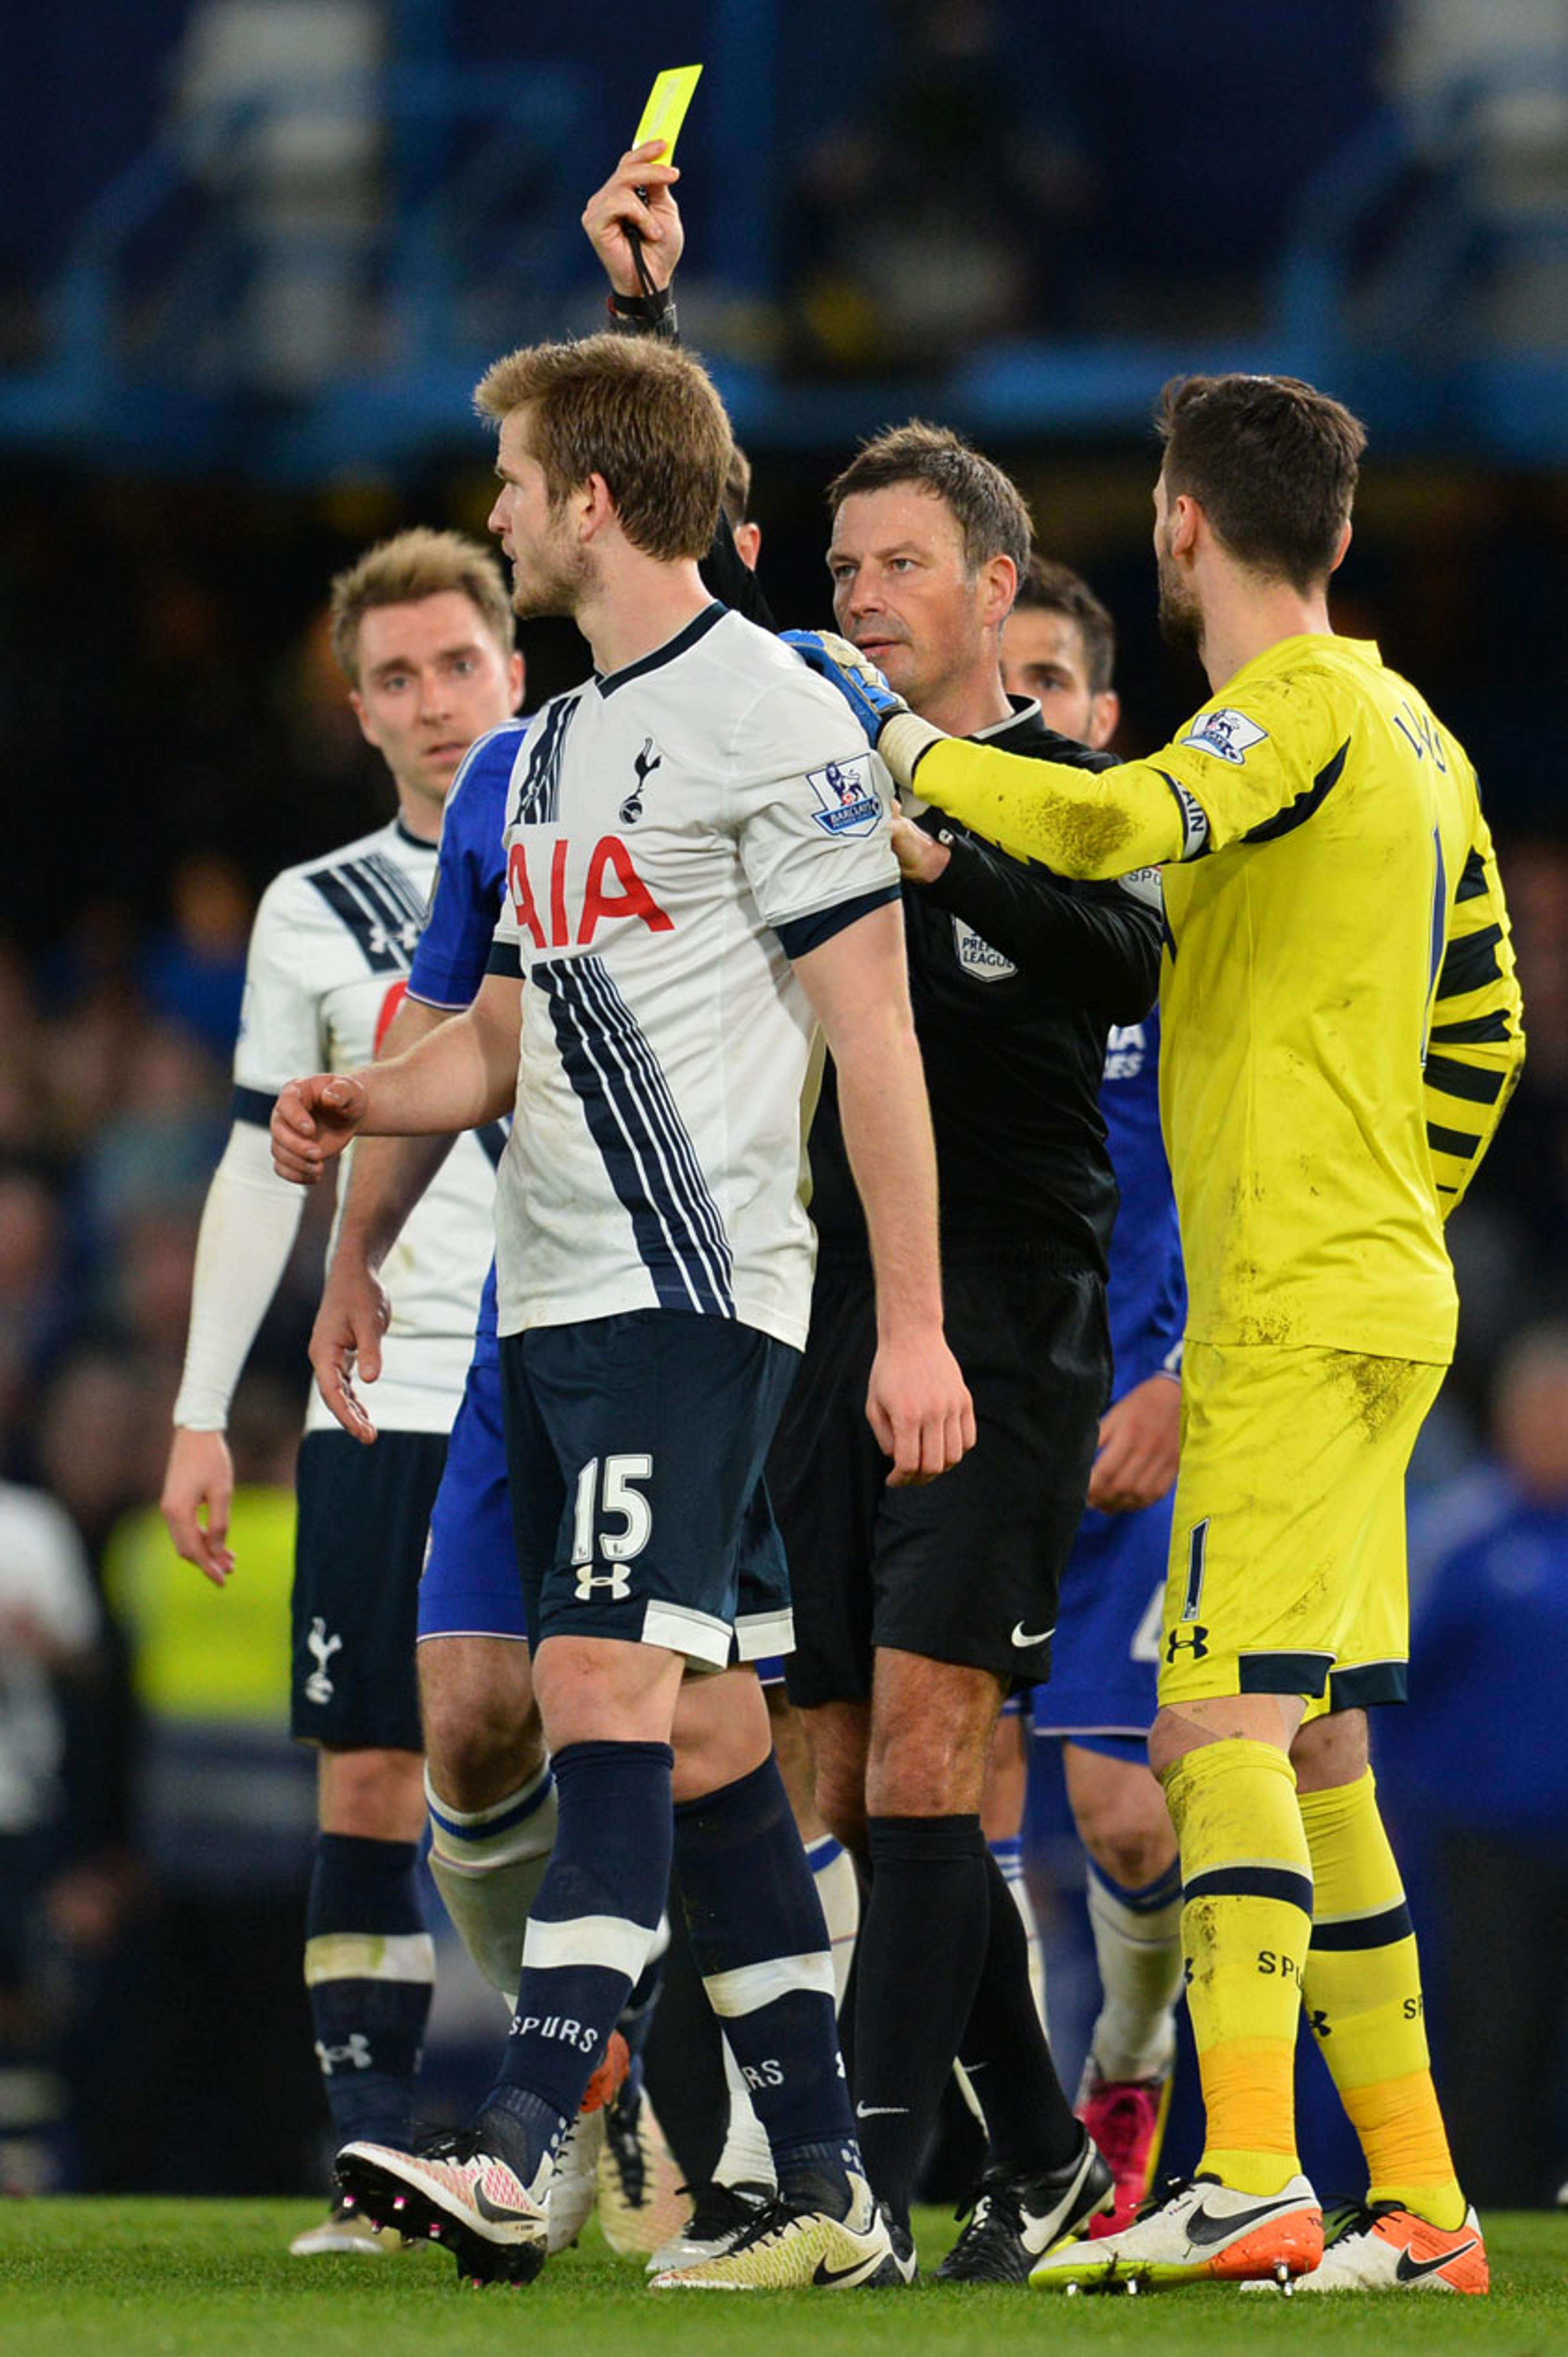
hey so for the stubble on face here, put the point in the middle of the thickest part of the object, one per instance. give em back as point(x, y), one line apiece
point(1180, 616)
point(560, 578)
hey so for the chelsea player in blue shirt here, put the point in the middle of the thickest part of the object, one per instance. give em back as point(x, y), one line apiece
point(1059, 646)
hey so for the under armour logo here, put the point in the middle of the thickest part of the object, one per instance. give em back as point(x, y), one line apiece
point(319, 1687)
point(617, 1581)
point(353, 2054)
point(1195, 1637)
point(1319, 2024)
point(380, 939)
point(631, 808)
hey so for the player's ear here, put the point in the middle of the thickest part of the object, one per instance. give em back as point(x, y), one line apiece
point(516, 680)
point(1184, 517)
point(1338, 559)
point(999, 587)
point(1104, 717)
point(747, 543)
point(596, 506)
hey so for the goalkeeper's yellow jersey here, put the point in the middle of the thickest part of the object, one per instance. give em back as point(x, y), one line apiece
point(1341, 1019)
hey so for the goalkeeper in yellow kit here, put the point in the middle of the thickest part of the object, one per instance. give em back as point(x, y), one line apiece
point(1341, 1030)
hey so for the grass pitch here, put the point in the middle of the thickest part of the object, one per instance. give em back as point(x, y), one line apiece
point(159, 2279)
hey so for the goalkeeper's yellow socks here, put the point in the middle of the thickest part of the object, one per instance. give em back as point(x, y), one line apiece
point(1364, 2003)
point(1246, 1919)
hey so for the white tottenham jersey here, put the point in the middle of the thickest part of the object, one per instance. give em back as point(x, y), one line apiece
point(326, 970)
point(675, 832)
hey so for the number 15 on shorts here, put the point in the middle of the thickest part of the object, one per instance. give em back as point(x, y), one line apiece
point(612, 1522)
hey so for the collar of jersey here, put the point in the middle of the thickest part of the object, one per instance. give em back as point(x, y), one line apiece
point(697, 628)
point(1024, 714)
point(406, 834)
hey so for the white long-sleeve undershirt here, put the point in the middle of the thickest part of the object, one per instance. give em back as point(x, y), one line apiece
point(249, 1223)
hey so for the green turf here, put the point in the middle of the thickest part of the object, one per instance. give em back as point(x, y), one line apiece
point(146, 2278)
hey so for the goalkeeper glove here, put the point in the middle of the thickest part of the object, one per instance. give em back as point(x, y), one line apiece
point(861, 684)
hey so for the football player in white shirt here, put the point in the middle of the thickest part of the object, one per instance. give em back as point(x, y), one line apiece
point(423, 627)
point(699, 875)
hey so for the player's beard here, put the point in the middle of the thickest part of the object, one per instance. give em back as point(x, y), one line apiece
point(1180, 616)
point(558, 581)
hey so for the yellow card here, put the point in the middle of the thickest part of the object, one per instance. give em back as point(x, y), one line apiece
point(666, 108)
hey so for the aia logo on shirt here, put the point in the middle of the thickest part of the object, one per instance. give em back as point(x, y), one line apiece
point(848, 799)
point(559, 909)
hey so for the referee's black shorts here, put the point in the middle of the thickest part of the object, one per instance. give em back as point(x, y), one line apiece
point(966, 1568)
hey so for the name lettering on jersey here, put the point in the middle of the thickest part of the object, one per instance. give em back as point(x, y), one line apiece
point(977, 956)
point(1124, 1050)
point(557, 911)
point(1226, 733)
point(1418, 727)
point(631, 808)
point(849, 803)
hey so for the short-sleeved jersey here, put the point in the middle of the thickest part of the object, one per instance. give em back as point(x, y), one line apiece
point(1341, 1017)
point(1146, 1292)
point(676, 832)
point(328, 965)
point(453, 949)
point(453, 955)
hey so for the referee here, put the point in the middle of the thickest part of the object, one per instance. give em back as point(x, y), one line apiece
point(918, 1610)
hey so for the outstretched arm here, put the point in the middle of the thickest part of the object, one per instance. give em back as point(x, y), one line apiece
point(458, 1077)
point(387, 1179)
point(1100, 943)
point(917, 1403)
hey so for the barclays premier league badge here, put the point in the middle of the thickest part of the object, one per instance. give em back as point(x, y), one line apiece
point(849, 800)
point(1226, 733)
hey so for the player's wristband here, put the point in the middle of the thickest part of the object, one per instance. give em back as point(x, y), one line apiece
point(652, 314)
point(901, 741)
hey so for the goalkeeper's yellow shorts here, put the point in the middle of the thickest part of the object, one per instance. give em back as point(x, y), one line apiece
point(1287, 1566)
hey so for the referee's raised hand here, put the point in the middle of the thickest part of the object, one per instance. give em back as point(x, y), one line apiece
point(637, 198)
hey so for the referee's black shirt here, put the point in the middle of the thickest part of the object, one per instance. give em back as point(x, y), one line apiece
point(1015, 975)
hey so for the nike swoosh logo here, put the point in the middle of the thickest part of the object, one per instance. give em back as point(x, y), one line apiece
point(827, 2276)
point(880, 2111)
point(498, 2212)
point(1021, 1636)
point(1203, 2227)
point(1411, 2270)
